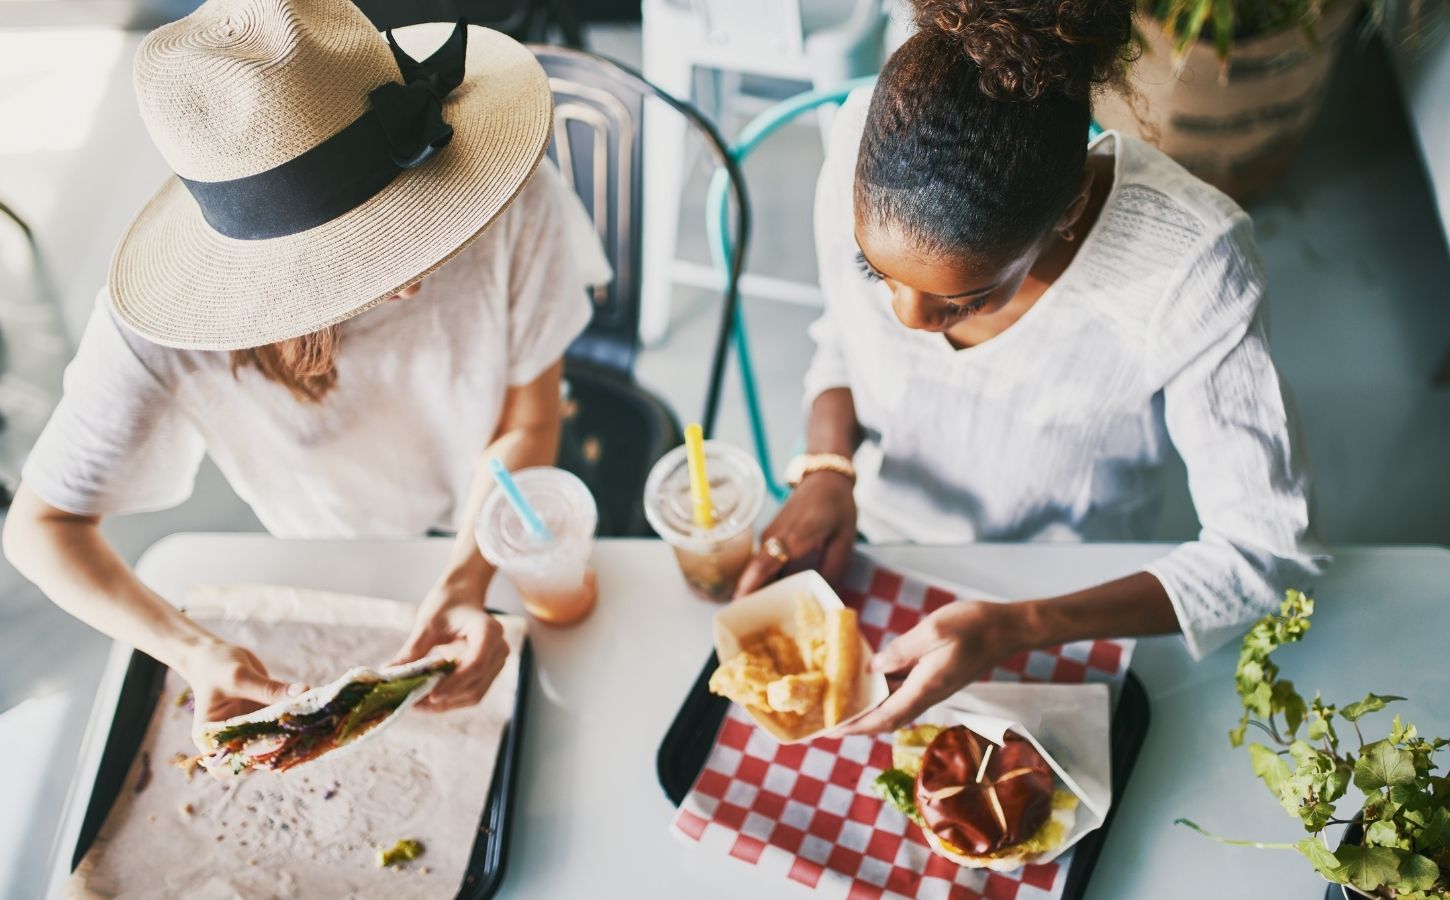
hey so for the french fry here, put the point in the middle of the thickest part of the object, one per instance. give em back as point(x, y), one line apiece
point(842, 664)
point(782, 651)
point(810, 631)
point(796, 693)
point(744, 678)
point(804, 681)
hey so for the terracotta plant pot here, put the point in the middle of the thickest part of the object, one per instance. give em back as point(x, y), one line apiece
point(1240, 134)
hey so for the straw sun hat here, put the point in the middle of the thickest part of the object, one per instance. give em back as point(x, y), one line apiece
point(317, 170)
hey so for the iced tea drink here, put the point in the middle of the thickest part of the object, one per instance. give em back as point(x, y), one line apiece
point(553, 578)
point(712, 559)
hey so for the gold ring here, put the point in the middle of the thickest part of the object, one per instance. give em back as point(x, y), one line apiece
point(775, 549)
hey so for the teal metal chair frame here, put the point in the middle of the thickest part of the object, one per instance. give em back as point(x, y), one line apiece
point(717, 222)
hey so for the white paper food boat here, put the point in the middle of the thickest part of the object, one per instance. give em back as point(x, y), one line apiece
point(775, 605)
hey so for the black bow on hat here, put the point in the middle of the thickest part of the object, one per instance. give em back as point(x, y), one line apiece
point(402, 130)
point(411, 113)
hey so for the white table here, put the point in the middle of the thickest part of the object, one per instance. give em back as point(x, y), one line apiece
point(591, 816)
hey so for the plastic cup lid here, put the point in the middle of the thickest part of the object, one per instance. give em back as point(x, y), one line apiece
point(561, 500)
point(737, 490)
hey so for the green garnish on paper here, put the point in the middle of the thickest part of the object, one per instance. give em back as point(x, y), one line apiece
point(405, 850)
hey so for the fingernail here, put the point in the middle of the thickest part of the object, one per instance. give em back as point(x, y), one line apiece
point(296, 688)
point(875, 664)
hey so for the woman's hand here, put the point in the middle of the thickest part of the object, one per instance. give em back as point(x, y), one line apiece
point(228, 681)
point(816, 524)
point(453, 625)
point(945, 652)
point(963, 641)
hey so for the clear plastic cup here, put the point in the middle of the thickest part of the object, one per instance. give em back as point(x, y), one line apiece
point(710, 559)
point(554, 579)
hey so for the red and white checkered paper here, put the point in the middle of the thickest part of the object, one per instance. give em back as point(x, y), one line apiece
point(807, 812)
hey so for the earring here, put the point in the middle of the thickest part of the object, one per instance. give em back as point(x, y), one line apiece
point(1066, 234)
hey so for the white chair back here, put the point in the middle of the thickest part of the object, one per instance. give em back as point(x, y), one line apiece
point(770, 25)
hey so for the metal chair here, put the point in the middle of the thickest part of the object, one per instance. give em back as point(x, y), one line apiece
point(614, 429)
point(821, 42)
point(524, 20)
point(717, 216)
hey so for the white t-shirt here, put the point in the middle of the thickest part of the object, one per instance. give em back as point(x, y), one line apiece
point(390, 450)
point(1056, 429)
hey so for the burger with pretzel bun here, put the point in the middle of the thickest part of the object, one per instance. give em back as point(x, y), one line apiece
point(979, 804)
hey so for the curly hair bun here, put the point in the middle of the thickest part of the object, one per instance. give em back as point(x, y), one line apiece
point(1024, 50)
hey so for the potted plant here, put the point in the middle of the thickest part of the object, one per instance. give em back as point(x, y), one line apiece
point(1398, 845)
point(1229, 87)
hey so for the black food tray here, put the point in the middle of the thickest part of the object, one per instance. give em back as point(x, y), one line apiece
point(687, 744)
point(141, 690)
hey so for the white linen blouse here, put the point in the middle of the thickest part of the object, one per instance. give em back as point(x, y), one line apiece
point(1057, 428)
point(390, 451)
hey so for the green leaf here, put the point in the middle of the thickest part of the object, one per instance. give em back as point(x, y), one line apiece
point(1367, 867)
point(1382, 834)
point(1250, 672)
point(1370, 703)
point(1412, 801)
point(1417, 873)
point(1223, 30)
point(1321, 722)
point(1305, 755)
point(1297, 604)
point(1323, 861)
point(1336, 783)
point(1260, 700)
point(380, 701)
point(1297, 791)
point(1383, 764)
point(247, 730)
point(1436, 833)
point(1269, 766)
point(898, 789)
point(1196, 17)
point(1290, 704)
point(1400, 732)
point(1236, 734)
point(1316, 815)
point(1319, 727)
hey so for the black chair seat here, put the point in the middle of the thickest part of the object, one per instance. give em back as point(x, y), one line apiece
point(614, 432)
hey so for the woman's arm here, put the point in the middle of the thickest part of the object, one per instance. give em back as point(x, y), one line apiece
point(68, 558)
point(960, 643)
point(528, 435)
point(833, 427)
point(451, 620)
point(1230, 419)
point(818, 521)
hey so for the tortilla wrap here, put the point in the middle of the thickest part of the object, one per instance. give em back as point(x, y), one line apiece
point(217, 758)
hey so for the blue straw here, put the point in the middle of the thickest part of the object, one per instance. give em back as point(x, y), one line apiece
point(515, 497)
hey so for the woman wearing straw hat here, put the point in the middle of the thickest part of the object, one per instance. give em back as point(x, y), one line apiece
point(320, 171)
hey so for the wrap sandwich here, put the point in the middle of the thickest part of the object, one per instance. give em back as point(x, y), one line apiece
point(303, 728)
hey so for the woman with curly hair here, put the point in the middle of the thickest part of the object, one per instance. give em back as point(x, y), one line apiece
point(1017, 325)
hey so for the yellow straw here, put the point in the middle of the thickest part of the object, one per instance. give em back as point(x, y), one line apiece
point(699, 479)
